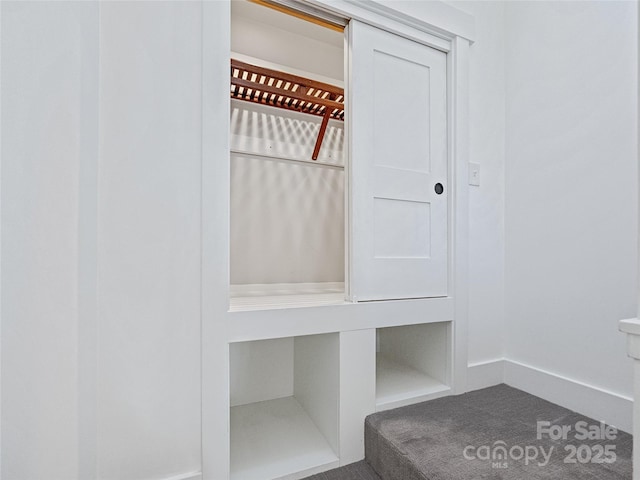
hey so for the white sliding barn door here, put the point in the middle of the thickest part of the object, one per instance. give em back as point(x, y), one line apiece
point(398, 115)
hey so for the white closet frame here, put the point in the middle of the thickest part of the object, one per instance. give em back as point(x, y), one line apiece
point(435, 24)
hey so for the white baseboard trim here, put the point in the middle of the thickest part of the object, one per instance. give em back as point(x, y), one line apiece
point(485, 374)
point(186, 476)
point(595, 402)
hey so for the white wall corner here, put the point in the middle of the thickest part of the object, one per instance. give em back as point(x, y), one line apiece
point(598, 403)
point(631, 327)
point(485, 374)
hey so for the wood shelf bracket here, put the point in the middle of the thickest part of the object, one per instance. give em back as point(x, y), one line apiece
point(265, 86)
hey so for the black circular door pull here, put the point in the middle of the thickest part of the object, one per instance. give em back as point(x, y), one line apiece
point(439, 188)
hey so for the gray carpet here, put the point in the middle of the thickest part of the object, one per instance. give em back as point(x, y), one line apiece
point(427, 441)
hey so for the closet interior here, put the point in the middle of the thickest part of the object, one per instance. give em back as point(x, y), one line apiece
point(288, 160)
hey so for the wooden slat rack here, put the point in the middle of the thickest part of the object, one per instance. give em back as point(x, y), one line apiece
point(290, 92)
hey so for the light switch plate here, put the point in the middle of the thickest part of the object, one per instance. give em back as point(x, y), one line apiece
point(474, 174)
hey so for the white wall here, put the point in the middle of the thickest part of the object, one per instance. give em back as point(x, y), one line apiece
point(571, 192)
point(100, 257)
point(148, 375)
point(47, 115)
point(486, 202)
point(553, 83)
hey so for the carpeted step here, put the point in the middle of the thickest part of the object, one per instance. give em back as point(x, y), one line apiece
point(427, 441)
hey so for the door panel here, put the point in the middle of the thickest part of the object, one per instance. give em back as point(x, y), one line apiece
point(398, 127)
